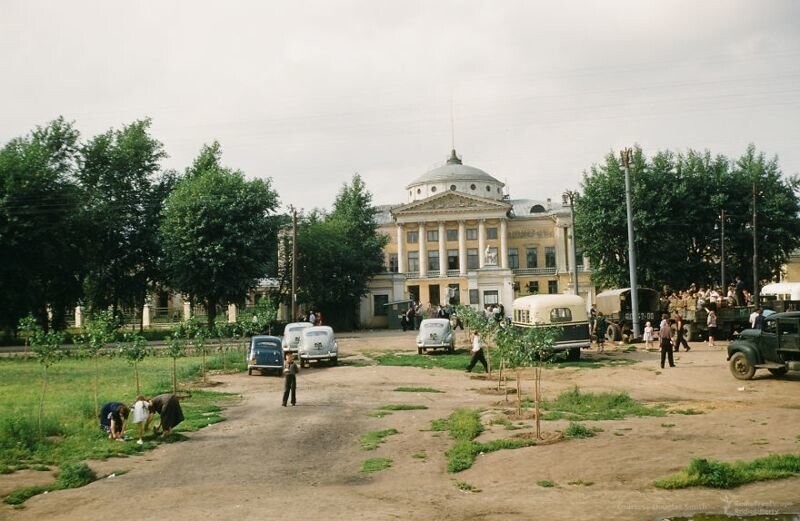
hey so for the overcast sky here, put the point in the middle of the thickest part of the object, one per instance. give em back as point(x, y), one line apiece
point(309, 93)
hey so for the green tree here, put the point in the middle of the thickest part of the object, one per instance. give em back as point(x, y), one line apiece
point(135, 348)
point(176, 348)
point(338, 253)
point(218, 232)
point(677, 202)
point(100, 330)
point(123, 194)
point(42, 227)
point(47, 348)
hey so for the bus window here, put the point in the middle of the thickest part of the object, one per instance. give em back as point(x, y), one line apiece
point(560, 315)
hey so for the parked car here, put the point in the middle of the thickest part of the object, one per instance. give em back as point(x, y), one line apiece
point(318, 344)
point(435, 333)
point(291, 335)
point(775, 347)
point(265, 354)
point(567, 312)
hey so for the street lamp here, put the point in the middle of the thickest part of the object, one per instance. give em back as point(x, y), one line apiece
point(625, 159)
point(568, 198)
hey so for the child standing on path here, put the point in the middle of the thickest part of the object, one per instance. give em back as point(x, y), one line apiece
point(648, 335)
point(290, 382)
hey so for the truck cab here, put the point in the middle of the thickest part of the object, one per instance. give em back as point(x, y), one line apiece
point(775, 347)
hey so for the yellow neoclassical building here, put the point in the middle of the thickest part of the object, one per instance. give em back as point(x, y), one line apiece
point(461, 239)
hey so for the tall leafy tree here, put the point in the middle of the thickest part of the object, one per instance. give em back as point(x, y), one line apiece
point(218, 232)
point(338, 253)
point(123, 194)
point(41, 226)
point(677, 204)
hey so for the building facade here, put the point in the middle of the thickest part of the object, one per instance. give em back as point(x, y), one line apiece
point(461, 239)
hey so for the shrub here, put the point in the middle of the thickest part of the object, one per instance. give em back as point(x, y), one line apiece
point(578, 430)
point(74, 475)
point(465, 424)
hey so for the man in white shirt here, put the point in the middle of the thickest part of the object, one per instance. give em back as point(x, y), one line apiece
point(477, 353)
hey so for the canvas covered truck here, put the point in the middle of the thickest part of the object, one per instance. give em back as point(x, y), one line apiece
point(616, 305)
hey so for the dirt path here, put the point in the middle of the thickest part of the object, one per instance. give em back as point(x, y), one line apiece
point(270, 462)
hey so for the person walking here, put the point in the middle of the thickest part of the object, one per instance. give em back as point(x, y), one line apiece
point(648, 336)
point(665, 341)
point(290, 381)
point(679, 338)
point(711, 322)
point(477, 353)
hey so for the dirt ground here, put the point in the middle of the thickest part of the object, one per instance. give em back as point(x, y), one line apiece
point(270, 462)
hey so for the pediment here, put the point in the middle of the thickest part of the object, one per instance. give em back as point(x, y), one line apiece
point(452, 202)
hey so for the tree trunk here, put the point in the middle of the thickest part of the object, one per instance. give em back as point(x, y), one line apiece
point(211, 310)
point(537, 378)
point(519, 397)
point(136, 372)
point(41, 399)
point(96, 385)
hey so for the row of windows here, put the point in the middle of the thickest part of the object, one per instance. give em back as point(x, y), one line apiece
point(412, 237)
point(490, 297)
point(531, 259)
point(453, 189)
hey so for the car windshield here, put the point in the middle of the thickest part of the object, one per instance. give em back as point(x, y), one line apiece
point(295, 329)
point(266, 345)
point(317, 333)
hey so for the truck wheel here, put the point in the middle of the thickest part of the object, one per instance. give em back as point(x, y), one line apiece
point(249, 372)
point(781, 371)
point(741, 369)
point(613, 333)
point(574, 354)
point(450, 348)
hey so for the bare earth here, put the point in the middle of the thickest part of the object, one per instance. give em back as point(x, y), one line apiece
point(270, 462)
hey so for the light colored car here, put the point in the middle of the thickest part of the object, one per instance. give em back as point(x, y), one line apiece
point(265, 354)
point(435, 333)
point(318, 344)
point(291, 335)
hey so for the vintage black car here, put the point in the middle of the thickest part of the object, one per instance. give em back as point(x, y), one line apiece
point(775, 347)
point(265, 354)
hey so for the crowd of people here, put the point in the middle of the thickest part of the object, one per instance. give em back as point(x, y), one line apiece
point(416, 313)
point(694, 298)
point(114, 416)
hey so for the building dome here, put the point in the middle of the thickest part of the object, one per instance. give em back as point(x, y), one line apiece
point(455, 176)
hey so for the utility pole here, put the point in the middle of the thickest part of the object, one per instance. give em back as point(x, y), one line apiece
point(569, 197)
point(722, 252)
point(294, 265)
point(755, 250)
point(625, 157)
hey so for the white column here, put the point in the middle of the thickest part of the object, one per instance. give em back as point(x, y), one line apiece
point(187, 310)
point(503, 244)
point(233, 312)
point(481, 243)
point(78, 316)
point(147, 310)
point(423, 251)
point(442, 250)
point(462, 248)
point(401, 251)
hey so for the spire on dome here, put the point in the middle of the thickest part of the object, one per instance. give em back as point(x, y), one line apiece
point(453, 160)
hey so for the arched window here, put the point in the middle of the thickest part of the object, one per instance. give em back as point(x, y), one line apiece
point(537, 208)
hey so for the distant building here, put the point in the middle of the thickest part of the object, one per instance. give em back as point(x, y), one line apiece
point(460, 239)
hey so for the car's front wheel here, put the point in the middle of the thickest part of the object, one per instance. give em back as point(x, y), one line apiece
point(780, 371)
point(741, 368)
point(419, 351)
point(249, 372)
point(335, 361)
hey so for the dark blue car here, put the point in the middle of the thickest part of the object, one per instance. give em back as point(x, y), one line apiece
point(265, 354)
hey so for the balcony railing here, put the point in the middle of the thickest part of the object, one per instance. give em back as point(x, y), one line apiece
point(535, 271)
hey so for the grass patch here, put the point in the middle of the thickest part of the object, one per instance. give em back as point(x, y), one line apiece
point(719, 474)
point(667, 425)
point(379, 414)
point(578, 430)
point(464, 426)
point(439, 425)
point(376, 464)
point(402, 407)
point(71, 475)
point(505, 422)
point(456, 361)
point(417, 390)
point(578, 406)
point(581, 483)
point(371, 440)
point(466, 487)
point(546, 483)
point(686, 412)
point(70, 427)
